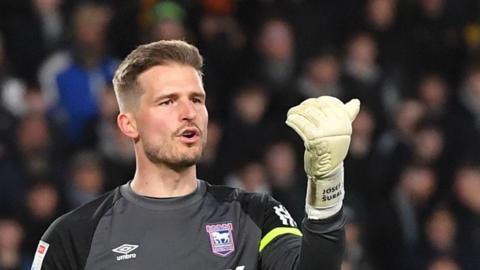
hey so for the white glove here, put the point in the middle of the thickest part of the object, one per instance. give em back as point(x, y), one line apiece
point(325, 125)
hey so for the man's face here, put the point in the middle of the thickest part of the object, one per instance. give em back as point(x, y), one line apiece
point(172, 118)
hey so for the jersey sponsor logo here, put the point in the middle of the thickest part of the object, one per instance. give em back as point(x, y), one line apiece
point(284, 216)
point(221, 238)
point(125, 249)
point(40, 253)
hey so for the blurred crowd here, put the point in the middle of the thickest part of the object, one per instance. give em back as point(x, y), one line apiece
point(412, 175)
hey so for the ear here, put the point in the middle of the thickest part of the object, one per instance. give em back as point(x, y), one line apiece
point(127, 125)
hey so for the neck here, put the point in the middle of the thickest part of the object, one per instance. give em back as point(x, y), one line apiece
point(162, 181)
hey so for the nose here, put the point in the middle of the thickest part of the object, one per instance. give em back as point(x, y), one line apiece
point(187, 111)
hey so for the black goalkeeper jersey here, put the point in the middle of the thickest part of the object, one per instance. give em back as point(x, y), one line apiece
point(213, 228)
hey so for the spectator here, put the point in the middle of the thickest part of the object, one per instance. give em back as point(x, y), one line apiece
point(247, 125)
point(11, 236)
point(362, 77)
point(34, 157)
point(276, 62)
point(321, 77)
point(42, 206)
point(223, 45)
point(387, 22)
point(358, 166)
point(466, 187)
point(250, 177)
point(37, 155)
point(394, 149)
point(433, 91)
point(87, 179)
point(442, 111)
point(470, 108)
point(356, 257)
point(397, 230)
point(444, 263)
point(103, 136)
point(429, 145)
point(287, 182)
point(441, 232)
point(167, 21)
point(73, 81)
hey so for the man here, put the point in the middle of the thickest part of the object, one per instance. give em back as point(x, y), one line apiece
point(165, 218)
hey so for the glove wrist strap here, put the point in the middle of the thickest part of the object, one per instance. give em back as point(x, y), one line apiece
point(316, 214)
point(325, 194)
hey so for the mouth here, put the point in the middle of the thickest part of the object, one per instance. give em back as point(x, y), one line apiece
point(189, 135)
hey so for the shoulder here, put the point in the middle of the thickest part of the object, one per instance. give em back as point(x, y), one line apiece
point(85, 217)
point(68, 238)
point(230, 194)
point(258, 206)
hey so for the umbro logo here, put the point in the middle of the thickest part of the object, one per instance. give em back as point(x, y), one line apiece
point(125, 249)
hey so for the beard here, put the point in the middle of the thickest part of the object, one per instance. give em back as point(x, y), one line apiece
point(175, 156)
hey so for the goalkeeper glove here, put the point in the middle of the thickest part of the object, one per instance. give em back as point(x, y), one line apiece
point(325, 125)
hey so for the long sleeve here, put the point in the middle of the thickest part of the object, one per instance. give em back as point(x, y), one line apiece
point(321, 247)
point(323, 243)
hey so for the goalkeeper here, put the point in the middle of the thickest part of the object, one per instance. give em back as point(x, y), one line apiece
point(166, 218)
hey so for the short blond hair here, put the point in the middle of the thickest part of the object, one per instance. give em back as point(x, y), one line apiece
point(144, 57)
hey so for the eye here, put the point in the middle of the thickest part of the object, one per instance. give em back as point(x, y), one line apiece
point(197, 100)
point(166, 102)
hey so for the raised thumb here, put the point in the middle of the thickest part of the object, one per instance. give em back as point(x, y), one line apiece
point(352, 107)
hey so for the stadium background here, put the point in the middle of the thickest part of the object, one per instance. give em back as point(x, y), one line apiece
point(412, 174)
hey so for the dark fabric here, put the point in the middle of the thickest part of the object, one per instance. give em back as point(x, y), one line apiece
point(173, 233)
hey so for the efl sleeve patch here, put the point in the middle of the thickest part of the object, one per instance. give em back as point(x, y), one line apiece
point(40, 255)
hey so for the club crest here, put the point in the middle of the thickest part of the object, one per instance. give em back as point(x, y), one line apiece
point(221, 238)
